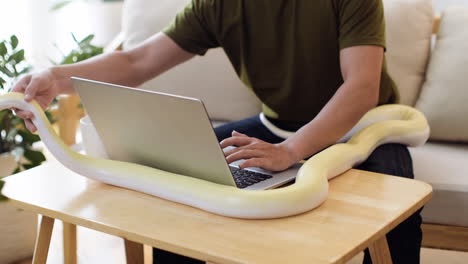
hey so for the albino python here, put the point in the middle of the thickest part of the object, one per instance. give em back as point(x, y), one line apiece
point(384, 124)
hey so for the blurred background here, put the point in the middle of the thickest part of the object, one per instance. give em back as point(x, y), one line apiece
point(45, 33)
point(44, 27)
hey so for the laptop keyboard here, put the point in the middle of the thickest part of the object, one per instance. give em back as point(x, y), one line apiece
point(245, 178)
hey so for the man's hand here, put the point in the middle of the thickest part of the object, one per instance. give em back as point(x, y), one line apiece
point(131, 68)
point(41, 87)
point(258, 153)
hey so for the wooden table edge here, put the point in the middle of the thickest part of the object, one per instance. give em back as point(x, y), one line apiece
point(394, 223)
point(154, 242)
point(97, 226)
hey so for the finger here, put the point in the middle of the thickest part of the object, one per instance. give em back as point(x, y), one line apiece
point(231, 151)
point(29, 125)
point(43, 104)
point(253, 146)
point(21, 85)
point(236, 141)
point(244, 154)
point(255, 162)
point(238, 134)
point(32, 88)
point(24, 114)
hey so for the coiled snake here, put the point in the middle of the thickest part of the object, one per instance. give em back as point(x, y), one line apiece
point(384, 124)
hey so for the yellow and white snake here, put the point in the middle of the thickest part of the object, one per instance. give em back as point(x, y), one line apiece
point(384, 124)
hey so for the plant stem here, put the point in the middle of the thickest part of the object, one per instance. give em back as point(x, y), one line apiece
point(15, 71)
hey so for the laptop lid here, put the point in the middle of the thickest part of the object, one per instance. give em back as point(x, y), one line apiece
point(159, 130)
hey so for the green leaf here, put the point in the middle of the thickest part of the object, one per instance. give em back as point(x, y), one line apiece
point(59, 5)
point(50, 117)
point(74, 39)
point(7, 72)
point(28, 137)
point(15, 121)
point(17, 56)
point(29, 166)
point(3, 49)
point(87, 39)
point(2, 197)
point(34, 156)
point(3, 113)
point(25, 70)
point(14, 41)
point(11, 134)
point(83, 51)
point(18, 169)
point(69, 59)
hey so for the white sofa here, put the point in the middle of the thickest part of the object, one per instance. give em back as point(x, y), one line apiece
point(443, 163)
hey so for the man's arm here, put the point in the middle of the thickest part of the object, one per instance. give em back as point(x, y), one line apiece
point(361, 67)
point(132, 68)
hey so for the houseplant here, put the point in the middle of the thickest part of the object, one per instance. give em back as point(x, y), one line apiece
point(15, 139)
point(100, 17)
point(83, 50)
point(16, 142)
point(16, 226)
point(16, 153)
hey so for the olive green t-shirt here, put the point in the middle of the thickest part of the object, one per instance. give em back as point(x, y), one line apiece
point(286, 51)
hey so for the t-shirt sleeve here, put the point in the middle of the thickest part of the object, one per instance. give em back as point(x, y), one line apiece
point(193, 28)
point(361, 22)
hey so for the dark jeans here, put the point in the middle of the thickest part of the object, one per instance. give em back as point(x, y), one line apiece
point(394, 159)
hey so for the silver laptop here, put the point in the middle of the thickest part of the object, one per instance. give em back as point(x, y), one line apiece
point(168, 132)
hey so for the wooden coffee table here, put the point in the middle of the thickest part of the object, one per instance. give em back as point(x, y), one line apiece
point(361, 208)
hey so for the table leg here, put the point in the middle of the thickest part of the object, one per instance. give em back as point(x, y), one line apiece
point(134, 252)
point(69, 243)
point(148, 254)
point(379, 251)
point(43, 240)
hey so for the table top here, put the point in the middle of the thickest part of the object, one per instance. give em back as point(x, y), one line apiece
point(361, 207)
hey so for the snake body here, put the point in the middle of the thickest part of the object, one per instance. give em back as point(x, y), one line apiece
point(384, 124)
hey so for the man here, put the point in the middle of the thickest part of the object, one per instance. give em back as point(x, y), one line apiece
point(317, 65)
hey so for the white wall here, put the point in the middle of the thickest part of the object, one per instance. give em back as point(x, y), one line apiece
point(39, 29)
point(439, 5)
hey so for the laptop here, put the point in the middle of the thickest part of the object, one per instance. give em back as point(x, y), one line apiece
point(168, 132)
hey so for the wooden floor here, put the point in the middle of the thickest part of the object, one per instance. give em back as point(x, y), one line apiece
point(97, 248)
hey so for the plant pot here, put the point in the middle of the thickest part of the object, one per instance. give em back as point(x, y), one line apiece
point(18, 228)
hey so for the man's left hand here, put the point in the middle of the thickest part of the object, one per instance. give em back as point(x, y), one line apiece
point(258, 153)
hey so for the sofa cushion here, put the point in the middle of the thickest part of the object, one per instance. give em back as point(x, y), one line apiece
point(409, 28)
point(448, 176)
point(210, 78)
point(444, 96)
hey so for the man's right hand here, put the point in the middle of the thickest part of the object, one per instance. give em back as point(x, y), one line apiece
point(42, 87)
